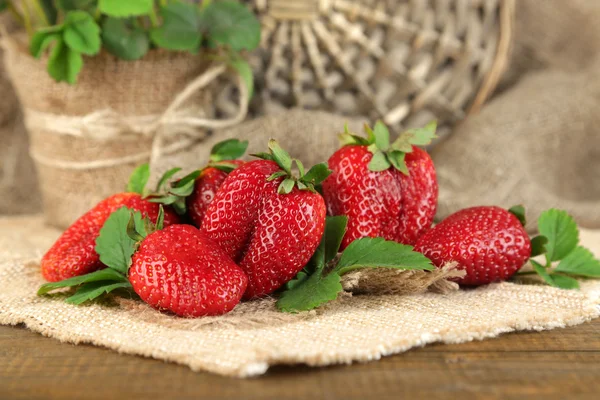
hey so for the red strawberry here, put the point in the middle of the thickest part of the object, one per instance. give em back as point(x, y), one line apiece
point(268, 221)
point(385, 190)
point(73, 253)
point(181, 270)
point(488, 242)
point(177, 269)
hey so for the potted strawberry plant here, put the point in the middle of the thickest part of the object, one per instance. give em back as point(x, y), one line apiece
point(107, 84)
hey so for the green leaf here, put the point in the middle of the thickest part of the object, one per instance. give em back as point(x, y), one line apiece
point(379, 162)
point(3, 5)
point(348, 138)
point(280, 156)
point(82, 34)
point(231, 149)
point(231, 24)
point(160, 219)
point(41, 40)
point(64, 64)
point(565, 282)
point(70, 5)
point(381, 253)
point(382, 136)
point(519, 212)
point(125, 8)
point(180, 29)
point(124, 39)
point(132, 230)
point(244, 69)
point(370, 135)
point(538, 245)
point(298, 279)
point(543, 272)
point(49, 10)
point(316, 174)
point(223, 166)
point(562, 233)
point(165, 178)
point(263, 156)
point(300, 166)
point(415, 137)
point(106, 274)
point(397, 158)
point(166, 200)
point(92, 290)
point(276, 175)
point(580, 262)
point(286, 186)
point(138, 179)
point(310, 293)
point(335, 229)
point(113, 244)
point(189, 178)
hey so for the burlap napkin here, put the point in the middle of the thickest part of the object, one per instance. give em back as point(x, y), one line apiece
point(255, 336)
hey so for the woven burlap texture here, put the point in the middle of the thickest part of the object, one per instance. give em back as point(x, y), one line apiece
point(255, 336)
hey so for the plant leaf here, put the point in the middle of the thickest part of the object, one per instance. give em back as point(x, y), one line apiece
point(231, 24)
point(379, 162)
point(125, 8)
point(519, 212)
point(64, 64)
point(280, 156)
point(565, 282)
point(286, 186)
point(580, 262)
point(299, 278)
point(123, 39)
point(335, 229)
point(82, 34)
point(541, 271)
point(316, 174)
point(189, 178)
point(231, 149)
point(106, 274)
point(348, 138)
point(380, 253)
point(382, 136)
point(397, 159)
point(561, 231)
point(113, 244)
point(276, 175)
point(180, 29)
point(41, 41)
point(243, 68)
point(538, 245)
point(165, 178)
point(138, 179)
point(92, 290)
point(416, 136)
point(310, 293)
point(70, 5)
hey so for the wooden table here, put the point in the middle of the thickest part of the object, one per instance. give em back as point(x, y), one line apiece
point(563, 363)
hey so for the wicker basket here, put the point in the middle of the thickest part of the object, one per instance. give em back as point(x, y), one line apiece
point(405, 61)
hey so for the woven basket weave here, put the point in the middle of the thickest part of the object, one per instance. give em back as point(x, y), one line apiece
point(404, 61)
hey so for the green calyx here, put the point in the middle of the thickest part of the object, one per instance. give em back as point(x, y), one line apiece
point(118, 240)
point(386, 154)
point(320, 281)
point(565, 260)
point(303, 180)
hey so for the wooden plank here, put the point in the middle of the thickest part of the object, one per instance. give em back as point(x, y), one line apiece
point(563, 363)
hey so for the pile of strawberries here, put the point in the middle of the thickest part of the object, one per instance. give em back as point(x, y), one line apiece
point(236, 230)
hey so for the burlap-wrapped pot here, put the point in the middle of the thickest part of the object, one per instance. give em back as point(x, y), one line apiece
point(403, 61)
point(87, 138)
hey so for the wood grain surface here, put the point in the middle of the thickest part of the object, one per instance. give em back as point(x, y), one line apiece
point(561, 364)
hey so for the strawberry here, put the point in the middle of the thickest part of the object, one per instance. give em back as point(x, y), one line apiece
point(488, 242)
point(177, 269)
point(73, 253)
point(221, 162)
point(386, 190)
point(267, 220)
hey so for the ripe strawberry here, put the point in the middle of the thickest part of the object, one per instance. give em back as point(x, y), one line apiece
point(488, 242)
point(385, 190)
point(177, 268)
point(73, 253)
point(223, 160)
point(181, 270)
point(268, 221)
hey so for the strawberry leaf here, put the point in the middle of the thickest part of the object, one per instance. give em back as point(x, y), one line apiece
point(415, 137)
point(316, 174)
point(397, 159)
point(286, 186)
point(542, 272)
point(43, 38)
point(565, 282)
point(92, 290)
point(280, 156)
point(180, 29)
point(120, 8)
point(300, 277)
point(379, 162)
point(230, 24)
point(82, 33)
point(64, 64)
point(538, 245)
point(231, 149)
point(124, 38)
point(519, 212)
point(310, 293)
point(165, 178)
point(335, 229)
point(348, 138)
point(113, 244)
point(104, 275)
point(381, 253)
point(580, 262)
point(561, 231)
point(276, 175)
point(223, 166)
point(243, 68)
point(382, 136)
point(138, 179)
